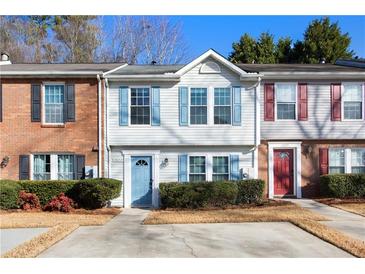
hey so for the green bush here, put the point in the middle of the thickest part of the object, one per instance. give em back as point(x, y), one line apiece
point(250, 191)
point(342, 185)
point(95, 193)
point(9, 193)
point(89, 193)
point(210, 194)
point(46, 190)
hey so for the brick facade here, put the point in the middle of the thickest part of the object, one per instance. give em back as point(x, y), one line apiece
point(19, 135)
point(309, 162)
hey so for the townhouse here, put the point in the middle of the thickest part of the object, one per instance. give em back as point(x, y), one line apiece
point(49, 122)
point(202, 121)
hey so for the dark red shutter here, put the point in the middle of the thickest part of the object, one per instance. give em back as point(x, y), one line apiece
point(323, 161)
point(336, 102)
point(269, 107)
point(302, 102)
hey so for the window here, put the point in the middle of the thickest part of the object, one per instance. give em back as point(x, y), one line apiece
point(42, 167)
point(51, 167)
point(286, 101)
point(358, 160)
point(352, 102)
point(222, 106)
point(198, 106)
point(336, 160)
point(140, 106)
point(53, 104)
point(220, 168)
point(65, 167)
point(197, 168)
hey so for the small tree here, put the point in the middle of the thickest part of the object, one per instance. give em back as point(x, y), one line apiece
point(283, 50)
point(244, 51)
point(266, 49)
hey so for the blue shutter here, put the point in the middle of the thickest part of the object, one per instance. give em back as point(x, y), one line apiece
point(183, 168)
point(234, 167)
point(183, 106)
point(155, 106)
point(236, 106)
point(123, 106)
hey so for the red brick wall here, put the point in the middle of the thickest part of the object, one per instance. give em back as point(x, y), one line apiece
point(310, 162)
point(19, 135)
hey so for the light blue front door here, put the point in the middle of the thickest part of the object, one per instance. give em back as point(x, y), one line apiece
point(141, 181)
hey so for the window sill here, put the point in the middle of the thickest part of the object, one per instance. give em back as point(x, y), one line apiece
point(53, 126)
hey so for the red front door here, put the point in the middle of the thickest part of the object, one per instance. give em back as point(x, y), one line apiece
point(283, 172)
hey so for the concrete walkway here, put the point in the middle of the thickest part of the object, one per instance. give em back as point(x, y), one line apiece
point(125, 236)
point(12, 237)
point(344, 221)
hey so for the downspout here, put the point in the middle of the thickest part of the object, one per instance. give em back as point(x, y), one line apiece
point(99, 126)
point(106, 125)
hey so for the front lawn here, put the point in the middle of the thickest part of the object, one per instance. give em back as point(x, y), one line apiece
point(353, 205)
point(61, 225)
point(267, 212)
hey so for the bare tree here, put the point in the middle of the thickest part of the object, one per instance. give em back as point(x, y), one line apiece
point(143, 40)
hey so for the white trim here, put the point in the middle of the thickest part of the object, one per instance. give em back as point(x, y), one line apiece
point(343, 84)
point(130, 106)
point(217, 57)
point(276, 101)
point(114, 69)
point(258, 114)
point(43, 102)
point(296, 146)
point(127, 180)
point(256, 162)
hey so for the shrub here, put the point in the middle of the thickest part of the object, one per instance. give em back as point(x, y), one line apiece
point(60, 203)
point(198, 194)
point(250, 191)
point(28, 201)
point(342, 185)
point(46, 190)
point(9, 194)
point(95, 193)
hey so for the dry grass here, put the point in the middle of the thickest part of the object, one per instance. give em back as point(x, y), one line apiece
point(38, 244)
point(282, 213)
point(48, 219)
point(61, 225)
point(356, 206)
point(294, 214)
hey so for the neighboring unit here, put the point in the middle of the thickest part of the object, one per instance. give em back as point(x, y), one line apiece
point(49, 120)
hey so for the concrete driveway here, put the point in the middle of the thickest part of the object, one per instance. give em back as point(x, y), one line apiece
point(124, 236)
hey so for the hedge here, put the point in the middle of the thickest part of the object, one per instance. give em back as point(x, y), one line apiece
point(89, 193)
point(9, 193)
point(210, 194)
point(342, 185)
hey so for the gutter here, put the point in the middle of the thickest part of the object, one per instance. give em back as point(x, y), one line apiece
point(56, 73)
point(99, 125)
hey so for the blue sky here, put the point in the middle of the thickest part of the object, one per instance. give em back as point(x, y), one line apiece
point(218, 32)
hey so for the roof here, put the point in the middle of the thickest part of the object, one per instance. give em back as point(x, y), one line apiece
point(298, 68)
point(351, 63)
point(147, 69)
point(58, 68)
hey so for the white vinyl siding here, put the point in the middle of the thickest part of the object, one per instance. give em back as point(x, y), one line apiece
point(170, 132)
point(318, 125)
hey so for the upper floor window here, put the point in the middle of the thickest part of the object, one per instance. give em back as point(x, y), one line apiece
point(198, 106)
point(53, 104)
point(140, 106)
point(197, 168)
point(286, 101)
point(358, 160)
point(352, 97)
point(222, 106)
point(220, 168)
point(336, 160)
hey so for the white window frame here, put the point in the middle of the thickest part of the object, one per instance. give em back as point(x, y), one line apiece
point(229, 165)
point(206, 165)
point(346, 157)
point(276, 101)
point(231, 95)
point(343, 102)
point(355, 148)
point(130, 106)
point(43, 101)
point(209, 104)
point(54, 164)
